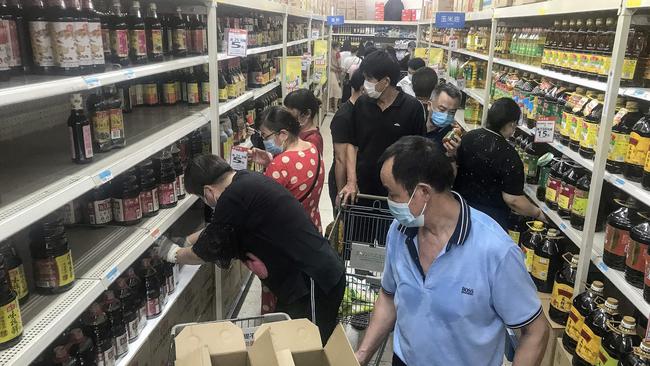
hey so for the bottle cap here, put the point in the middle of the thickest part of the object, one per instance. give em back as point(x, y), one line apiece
point(645, 345)
point(611, 303)
point(597, 286)
point(538, 225)
point(628, 322)
point(552, 233)
point(574, 260)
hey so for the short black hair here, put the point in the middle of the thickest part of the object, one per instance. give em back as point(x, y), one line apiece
point(418, 159)
point(204, 170)
point(356, 81)
point(448, 89)
point(277, 118)
point(502, 112)
point(411, 44)
point(381, 64)
point(347, 45)
point(424, 82)
point(304, 101)
point(335, 44)
point(416, 63)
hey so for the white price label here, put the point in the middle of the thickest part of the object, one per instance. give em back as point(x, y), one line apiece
point(315, 33)
point(92, 82)
point(453, 44)
point(237, 42)
point(129, 74)
point(544, 130)
point(239, 158)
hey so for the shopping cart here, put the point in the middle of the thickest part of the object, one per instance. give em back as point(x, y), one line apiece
point(359, 236)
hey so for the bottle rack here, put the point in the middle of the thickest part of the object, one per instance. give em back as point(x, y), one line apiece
point(52, 180)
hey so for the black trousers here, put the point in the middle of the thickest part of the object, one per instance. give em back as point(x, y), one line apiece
point(326, 308)
point(397, 361)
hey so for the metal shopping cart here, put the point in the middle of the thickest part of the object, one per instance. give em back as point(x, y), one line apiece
point(359, 236)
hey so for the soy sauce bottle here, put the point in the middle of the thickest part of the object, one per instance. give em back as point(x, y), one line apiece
point(63, 358)
point(15, 271)
point(152, 289)
point(554, 184)
point(114, 313)
point(637, 149)
point(179, 184)
point(580, 200)
point(547, 261)
point(154, 32)
point(159, 266)
point(570, 179)
point(581, 307)
point(620, 138)
point(82, 347)
point(193, 89)
point(138, 292)
point(533, 238)
point(129, 308)
point(594, 329)
point(61, 25)
point(562, 293)
point(619, 342)
point(149, 193)
point(41, 42)
point(166, 182)
point(51, 256)
point(99, 329)
point(179, 34)
point(138, 52)
point(113, 104)
point(617, 233)
point(119, 34)
point(80, 133)
point(12, 326)
point(515, 227)
point(640, 356)
point(635, 254)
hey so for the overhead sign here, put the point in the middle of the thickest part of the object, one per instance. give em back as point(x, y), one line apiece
point(335, 20)
point(237, 42)
point(450, 20)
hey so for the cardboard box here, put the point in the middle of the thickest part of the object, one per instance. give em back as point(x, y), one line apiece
point(562, 357)
point(443, 5)
point(350, 14)
point(287, 343)
point(556, 331)
point(502, 3)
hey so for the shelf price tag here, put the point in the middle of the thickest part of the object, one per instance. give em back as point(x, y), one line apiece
point(155, 233)
point(315, 33)
point(92, 82)
point(104, 176)
point(112, 274)
point(544, 129)
point(129, 74)
point(239, 158)
point(237, 42)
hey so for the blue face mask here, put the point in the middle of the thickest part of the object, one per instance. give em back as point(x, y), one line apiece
point(441, 119)
point(402, 213)
point(270, 146)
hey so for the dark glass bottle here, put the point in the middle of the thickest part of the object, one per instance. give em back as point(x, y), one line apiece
point(223, 86)
point(51, 256)
point(63, 358)
point(101, 123)
point(637, 149)
point(129, 308)
point(193, 89)
point(515, 227)
point(594, 329)
point(620, 140)
point(166, 181)
point(635, 254)
point(61, 25)
point(179, 184)
point(154, 32)
point(159, 266)
point(81, 37)
point(138, 292)
point(80, 133)
point(12, 328)
point(198, 31)
point(255, 74)
point(204, 79)
point(82, 347)
point(531, 240)
point(640, 356)
point(580, 200)
point(169, 90)
point(115, 314)
point(119, 34)
point(619, 342)
point(554, 184)
point(617, 233)
point(565, 280)
point(113, 105)
point(179, 34)
point(149, 193)
point(94, 35)
point(547, 261)
point(138, 51)
point(566, 193)
point(15, 49)
point(590, 126)
point(582, 305)
point(39, 34)
point(99, 329)
point(152, 289)
point(15, 271)
point(127, 209)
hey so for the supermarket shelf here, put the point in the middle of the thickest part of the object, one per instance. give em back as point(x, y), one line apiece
point(265, 89)
point(352, 35)
point(261, 5)
point(476, 94)
point(639, 93)
point(440, 46)
point(44, 178)
point(33, 87)
point(227, 106)
point(295, 43)
point(460, 119)
point(477, 55)
point(617, 278)
point(486, 14)
point(256, 50)
point(185, 276)
point(557, 7)
point(238, 300)
point(379, 22)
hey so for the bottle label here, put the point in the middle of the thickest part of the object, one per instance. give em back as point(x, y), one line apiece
point(65, 268)
point(138, 40)
point(101, 127)
point(605, 359)
point(156, 42)
point(199, 40)
point(65, 52)
point(106, 358)
point(127, 209)
point(100, 212)
point(13, 42)
point(41, 43)
point(514, 235)
point(106, 40)
point(528, 258)
point(163, 293)
point(95, 36)
point(120, 43)
point(637, 150)
point(149, 201)
point(564, 129)
point(167, 193)
point(579, 206)
point(646, 166)
point(179, 39)
point(223, 94)
point(87, 140)
point(629, 68)
point(576, 126)
point(142, 311)
point(133, 328)
point(82, 42)
point(584, 65)
point(121, 344)
point(138, 94)
point(552, 189)
point(150, 94)
point(169, 93)
point(153, 307)
point(18, 281)
point(595, 64)
point(179, 185)
point(565, 198)
point(635, 255)
point(618, 146)
point(117, 123)
point(11, 323)
point(574, 324)
point(205, 92)
point(5, 47)
point(589, 135)
point(540, 267)
point(616, 240)
point(193, 96)
point(589, 345)
point(232, 91)
point(561, 297)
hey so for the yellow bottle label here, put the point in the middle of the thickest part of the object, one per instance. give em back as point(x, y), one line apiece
point(574, 324)
point(618, 146)
point(18, 281)
point(232, 91)
point(564, 129)
point(574, 61)
point(629, 68)
point(607, 63)
point(65, 268)
point(637, 149)
point(546, 56)
point(579, 206)
point(585, 62)
point(515, 235)
point(529, 254)
point(589, 135)
point(588, 345)
point(646, 167)
point(561, 297)
point(540, 268)
point(576, 128)
point(11, 323)
point(605, 359)
point(563, 202)
point(223, 93)
point(551, 194)
point(193, 96)
point(595, 64)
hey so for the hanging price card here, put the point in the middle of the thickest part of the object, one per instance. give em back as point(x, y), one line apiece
point(544, 129)
point(239, 158)
point(237, 42)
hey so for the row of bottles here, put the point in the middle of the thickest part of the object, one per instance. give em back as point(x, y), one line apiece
point(384, 31)
point(263, 30)
point(478, 39)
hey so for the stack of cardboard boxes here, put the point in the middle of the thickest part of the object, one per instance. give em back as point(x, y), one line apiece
point(352, 9)
point(379, 10)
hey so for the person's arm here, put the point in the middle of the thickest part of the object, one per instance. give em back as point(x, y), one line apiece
point(532, 343)
point(522, 206)
point(340, 157)
point(512, 186)
point(350, 190)
point(381, 324)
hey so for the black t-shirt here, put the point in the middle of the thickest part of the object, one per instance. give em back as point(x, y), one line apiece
point(257, 215)
point(438, 134)
point(341, 125)
point(487, 167)
point(373, 131)
point(393, 10)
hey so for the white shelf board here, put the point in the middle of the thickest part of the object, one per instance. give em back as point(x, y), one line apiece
point(485, 14)
point(477, 55)
point(379, 22)
point(256, 50)
point(229, 105)
point(297, 42)
point(265, 89)
point(33, 87)
point(476, 94)
point(460, 119)
point(633, 294)
point(437, 45)
point(185, 276)
point(556, 7)
point(352, 35)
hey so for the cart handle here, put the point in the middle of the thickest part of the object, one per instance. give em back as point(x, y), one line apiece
point(372, 197)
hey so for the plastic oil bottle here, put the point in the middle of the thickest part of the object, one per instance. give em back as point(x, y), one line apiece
point(533, 238)
point(563, 290)
point(547, 261)
point(583, 305)
point(593, 330)
point(618, 343)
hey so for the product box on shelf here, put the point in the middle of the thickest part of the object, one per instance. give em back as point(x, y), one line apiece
point(443, 5)
point(350, 14)
point(286, 343)
point(502, 3)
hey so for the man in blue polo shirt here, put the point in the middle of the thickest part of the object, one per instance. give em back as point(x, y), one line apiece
point(453, 279)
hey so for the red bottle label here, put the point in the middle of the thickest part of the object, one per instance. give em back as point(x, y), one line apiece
point(132, 328)
point(100, 212)
point(616, 240)
point(153, 307)
point(179, 185)
point(127, 209)
point(138, 40)
point(120, 42)
point(149, 201)
point(167, 193)
point(15, 58)
point(88, 141)
point(635, 255)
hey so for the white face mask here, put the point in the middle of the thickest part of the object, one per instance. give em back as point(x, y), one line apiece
point(370, 89)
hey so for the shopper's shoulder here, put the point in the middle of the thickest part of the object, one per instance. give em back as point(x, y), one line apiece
point(488, 235)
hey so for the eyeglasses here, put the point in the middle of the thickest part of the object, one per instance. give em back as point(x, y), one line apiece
point(267, 136)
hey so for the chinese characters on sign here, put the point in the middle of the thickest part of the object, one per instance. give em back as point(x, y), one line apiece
point(237, 42)
point(450, 20)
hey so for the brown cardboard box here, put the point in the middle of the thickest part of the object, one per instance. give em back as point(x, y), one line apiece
point(340, 4)
point(502, 3)
point(443, 5)
point(287, 343)
point(556, 331)
point(562, 357)
point(362, 14)
point(350, 14)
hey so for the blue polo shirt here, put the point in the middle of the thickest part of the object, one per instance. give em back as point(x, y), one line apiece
point(458, 313)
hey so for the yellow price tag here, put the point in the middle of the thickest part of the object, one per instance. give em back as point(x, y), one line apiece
point(633, 3)
point(541, 11)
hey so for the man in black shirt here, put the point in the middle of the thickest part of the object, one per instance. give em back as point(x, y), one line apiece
point(259, 222)
point(490, 172)
point(443, 105)
point(379, 118)
point(393, 10)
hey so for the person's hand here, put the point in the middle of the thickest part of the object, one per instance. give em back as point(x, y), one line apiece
point(260, 157)
point(542, 217)
point(362, 358)
point(348, 192)
point(256, 266)
point(452, 147)
point(167, 249)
